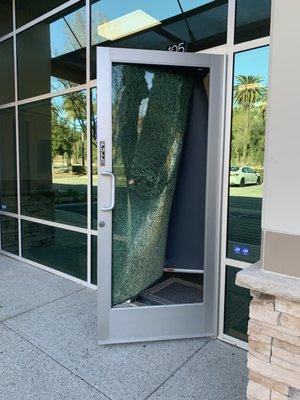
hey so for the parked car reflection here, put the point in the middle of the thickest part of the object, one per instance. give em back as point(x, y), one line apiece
point(244, 175)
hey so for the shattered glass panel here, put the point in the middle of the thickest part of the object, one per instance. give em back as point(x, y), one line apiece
point(150, 110)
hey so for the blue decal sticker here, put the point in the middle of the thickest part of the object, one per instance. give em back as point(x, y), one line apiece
point(237, 249)
point(242, 250)
point(245, 251)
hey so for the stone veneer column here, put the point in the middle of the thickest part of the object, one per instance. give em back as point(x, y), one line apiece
point(274, 335)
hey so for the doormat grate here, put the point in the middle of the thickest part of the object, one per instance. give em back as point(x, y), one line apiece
point(173, 291)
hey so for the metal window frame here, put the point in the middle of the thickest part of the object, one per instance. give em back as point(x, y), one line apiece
point(228, 49)
point(88, 231)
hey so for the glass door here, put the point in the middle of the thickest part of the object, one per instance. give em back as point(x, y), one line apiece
point(159, 132)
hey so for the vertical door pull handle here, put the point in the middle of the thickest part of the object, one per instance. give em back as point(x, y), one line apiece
point(113, 191)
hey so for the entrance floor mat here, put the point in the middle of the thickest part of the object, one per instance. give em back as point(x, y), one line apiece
point(172, 291)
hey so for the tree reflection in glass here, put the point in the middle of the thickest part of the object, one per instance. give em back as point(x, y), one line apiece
point(53, 159)
point(58, 48)
point(94, 157)
point(247, 154)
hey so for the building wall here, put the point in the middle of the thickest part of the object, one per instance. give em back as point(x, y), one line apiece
point(281, 212)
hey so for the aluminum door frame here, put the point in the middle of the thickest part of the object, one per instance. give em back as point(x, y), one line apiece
point(147, 323)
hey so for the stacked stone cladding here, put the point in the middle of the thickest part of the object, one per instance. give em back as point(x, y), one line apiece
point(274, 348)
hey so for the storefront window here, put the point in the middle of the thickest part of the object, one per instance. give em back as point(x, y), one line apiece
point(53, 159)
point(157, 25)
point(61, 249)
point(57, 46)
point(252, 19)
point(7, 86)
point(53, 152)
point(247, 154)
point(6, 17)
point(8, 164)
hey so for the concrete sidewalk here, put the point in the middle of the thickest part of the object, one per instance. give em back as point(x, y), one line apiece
point(48, 350)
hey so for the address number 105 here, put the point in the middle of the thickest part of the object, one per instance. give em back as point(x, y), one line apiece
point(180, 47)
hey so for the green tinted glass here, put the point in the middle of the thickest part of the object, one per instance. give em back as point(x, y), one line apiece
point(61, 249)
point(9, 234)
point(58, 48)
point(252, 19)
point(8, 164)
point(150, 111)
point(6, 17)
point(7, 86)
point(53, 159)
point(27, 10)
point(94, 260)
point(237, 301)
